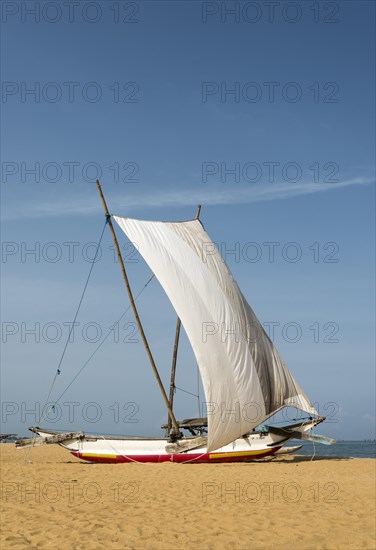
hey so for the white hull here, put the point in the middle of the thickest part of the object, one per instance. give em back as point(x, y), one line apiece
point(138, 449)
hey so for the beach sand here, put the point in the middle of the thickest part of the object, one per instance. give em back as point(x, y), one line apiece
point(60, 502)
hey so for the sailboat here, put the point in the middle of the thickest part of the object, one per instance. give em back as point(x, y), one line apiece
point(245, 380)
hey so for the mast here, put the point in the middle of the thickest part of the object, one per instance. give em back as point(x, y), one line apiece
point(173, 371)
point(175, 354)
point(139, 324)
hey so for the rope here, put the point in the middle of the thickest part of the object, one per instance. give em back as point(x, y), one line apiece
point(314, 448)
point(185, 391)
point(314, 451)
point(58, 371)
point(192, 459)
point(103, 341)
point(82, 297)
point(141, 462)
point(289, 420)
point(86, 363)
point(118, 454)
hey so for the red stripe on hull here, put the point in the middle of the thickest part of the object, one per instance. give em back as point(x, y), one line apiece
point(179, 458)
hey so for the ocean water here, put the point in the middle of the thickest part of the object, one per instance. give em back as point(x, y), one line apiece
point(341, 449)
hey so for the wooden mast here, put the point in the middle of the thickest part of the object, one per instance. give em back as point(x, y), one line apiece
point(175, 354)
point(173, 371)
point(139, 324)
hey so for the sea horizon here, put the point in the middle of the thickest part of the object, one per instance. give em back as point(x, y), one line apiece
point(341, 449)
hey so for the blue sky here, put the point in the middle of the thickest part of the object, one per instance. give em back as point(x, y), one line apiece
point(148, 105)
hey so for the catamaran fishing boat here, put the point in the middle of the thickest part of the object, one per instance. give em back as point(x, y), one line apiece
point(245, 379)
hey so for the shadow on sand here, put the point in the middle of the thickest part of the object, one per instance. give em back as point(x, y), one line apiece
point(294, 459)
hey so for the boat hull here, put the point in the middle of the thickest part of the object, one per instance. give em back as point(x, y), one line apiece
point(181, 458)
point(155, 450)
point(144, 450)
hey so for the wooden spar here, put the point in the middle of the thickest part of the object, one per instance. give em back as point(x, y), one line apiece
point(173, 371)
point(187, 445)
point(301, 435)
point(55, 438)
point(175, 353)
point(139, 324)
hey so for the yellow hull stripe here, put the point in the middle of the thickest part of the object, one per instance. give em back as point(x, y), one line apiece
point(239, 453)
point(95, 455)
point(89, 456)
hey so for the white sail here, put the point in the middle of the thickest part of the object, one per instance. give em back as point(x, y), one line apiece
point(245, 380)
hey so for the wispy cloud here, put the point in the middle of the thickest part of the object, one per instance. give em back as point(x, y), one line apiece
point(207, 195)
point(231, 195)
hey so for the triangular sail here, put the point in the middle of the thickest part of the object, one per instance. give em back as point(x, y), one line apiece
point(245, 380)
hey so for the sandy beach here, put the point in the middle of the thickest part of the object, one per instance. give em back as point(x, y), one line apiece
point(58, 501)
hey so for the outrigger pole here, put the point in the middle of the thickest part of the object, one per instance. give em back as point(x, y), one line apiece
point(175, 354)
point(176, 431)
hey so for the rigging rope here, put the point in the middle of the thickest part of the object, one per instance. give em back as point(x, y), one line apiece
point(103, 341)
point(41, 416)
point(185, 391)
point(58, 370)
point(314, 447)
point(193, 394)
point(86, 363)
